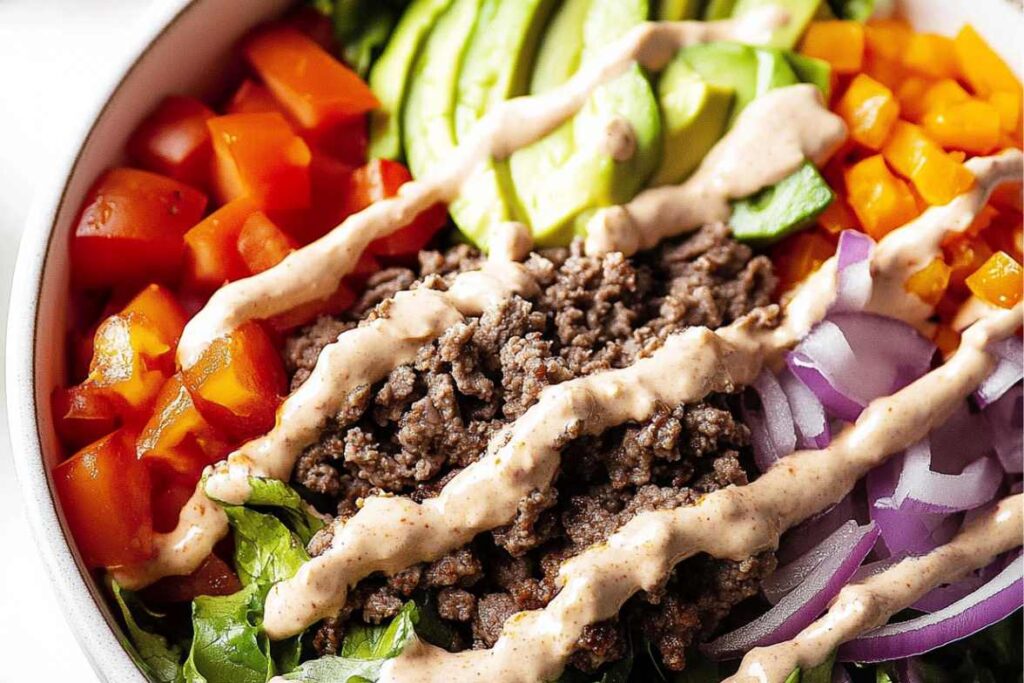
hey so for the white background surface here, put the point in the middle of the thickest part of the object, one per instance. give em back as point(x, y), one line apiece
point(53, 54)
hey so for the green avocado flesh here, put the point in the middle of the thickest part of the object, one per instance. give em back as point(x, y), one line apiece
point(678, 10)
point(564, 177)
point(782, 209)
point(390, 76)
point(800, 14)
point(812, 70)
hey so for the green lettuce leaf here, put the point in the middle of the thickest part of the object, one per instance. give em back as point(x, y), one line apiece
point(819, 674)
point(228, 646)
point(274, 493)
point(363, 652)
point(151, 651)
point(265, 550)
point(856, 10)
point(362, 27)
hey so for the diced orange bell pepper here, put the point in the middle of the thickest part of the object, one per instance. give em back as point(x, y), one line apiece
point(984, 70)
point(312, 85)
point(965, 255)
point(999, 281)
point(869, 109)
point(161, 309)
point(174, 141)
point(943, 93)
point(212, 256)
point(840, 43)
point(339, 302)
point(176, 435)
point(973, 126)
point(259, 156)
point(237, 382)
point(82, 415)
point(379, 180)
point(931, 55)
point(213, 577)
point(911, 95)
point(799, 255)
point(1009, 106)
point(131, 360)
point(887, 38)
point(888, 72)
point(1006, 233)
point(262, 244)
point(131, 228)
point(937, 177)
point(947, 339)
point(929, 284)
point(105, 497)
point(838, 217)
point(252, 97)
point(981, 221)
point(881, 201)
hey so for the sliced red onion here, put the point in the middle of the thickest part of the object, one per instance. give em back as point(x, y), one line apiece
point(802, 605)
point(960, 440)
point(944, 596)
point(771, 429)
point(903, 531)
point(854, 284)
point(1005, 419)
point(841, 675)
point(790, 576)
point(808, 413)
point(920, 489)
point(1009, 370)
point(803, 538)
point(850, 359)
point(994, 601)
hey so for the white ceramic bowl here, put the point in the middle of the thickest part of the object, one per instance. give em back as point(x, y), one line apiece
point(186, 46)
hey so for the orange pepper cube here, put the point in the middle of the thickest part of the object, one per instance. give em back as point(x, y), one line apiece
point(237, 382)
point(799, 255)
point(965, 256)
point(262, 244)
point(105, 496)
point(931, 55)
point(1009, 106)
point(936, 176)
point(983, 69)
point(259, 156)
point(999, 281)
point(161, 310)
point(929, 284)
point(887, 38)
point(840, 43)
point(314, 87)
point(972, 125)
point(211, 247)
point(869, 109)
point(881, 201)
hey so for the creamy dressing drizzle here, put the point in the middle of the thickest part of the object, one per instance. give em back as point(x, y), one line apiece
point(314, 272)
point(868, 604)
point(772, 137)
point(732, 523)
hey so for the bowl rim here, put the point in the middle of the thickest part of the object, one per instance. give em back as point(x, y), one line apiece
point(96, 632)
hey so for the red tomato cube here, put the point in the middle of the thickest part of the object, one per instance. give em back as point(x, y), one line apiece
point(175, 141)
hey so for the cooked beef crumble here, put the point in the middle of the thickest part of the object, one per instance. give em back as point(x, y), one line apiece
point(412, 432)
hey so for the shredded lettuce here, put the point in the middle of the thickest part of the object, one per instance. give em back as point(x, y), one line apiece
point(265, 550)
point(275, 494)
point(151, 651)
point(362, 27)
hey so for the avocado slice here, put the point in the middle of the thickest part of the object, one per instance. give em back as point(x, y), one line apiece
point(800, 14)
point(496, 66)
point(694, 116)
point(781, 209)
point(562, 47)
point(560, 179)
point(679, 10)
point(389, 78)
point(428, 116)
point(811, 70)
point(719, 9)
point(748, 71)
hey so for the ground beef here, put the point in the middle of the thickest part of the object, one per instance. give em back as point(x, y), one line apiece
point(409, 434)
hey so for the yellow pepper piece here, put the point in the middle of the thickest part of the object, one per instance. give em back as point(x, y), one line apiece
point(973, 126)
point(999, 281)
point(965, 256)
point(936, 176)
point(887, 38)
point(881, 201)
point(840, 43)
point(911, 94)
point(984, 70)
point(870, 110)
point(1008, 105)
point(929, 284)
point(931, 55)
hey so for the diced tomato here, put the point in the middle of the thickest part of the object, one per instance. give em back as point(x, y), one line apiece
point(213, 577)
point(261, 157)
point(82, 415)
point(330, 180)
point(262, 244)
point(379, 180)
point(314, 87)
point(337, 303)
point(344, 140)
point(131, 228)
point(212, 256)
point(171, 491)
point(131, 360)
point(175, 141)
point(252, 97)
point(105, 496)
point(366, 266)
point(163, 312)
point(237, 382)
point(176, 435)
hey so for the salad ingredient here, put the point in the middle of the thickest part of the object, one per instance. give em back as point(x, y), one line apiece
point(936, 176)
point(362, 27)
point(105, 496)
point(881, 201)
point(799, 13)
point(781, 209)
point(1008, 372)
point(213, 577)
point(177, 435)
point(82, 415)
point(679, 10)
point(160, 659)
point(259, 156)
point(798, 256)
point(694, 115)
point(130, 230)
point(174, 141)
point(312, 86)
point(130, 361)
point(811, 70)
point(999, 281)
point(391, 74)
point(921, 489)
point(984, 70)
point(840, 43)
point(931, 55)
point(930, 283)
point(973, 125)
point(870, 110)
point(261, 244)
point(211, 247)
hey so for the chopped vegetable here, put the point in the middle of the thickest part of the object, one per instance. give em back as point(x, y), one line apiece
point(929, 284)
point(840, 43)
point(213, 577)
point(936, 176)
point(212, 256)
point(931, 55)
point(870, 110)
point(175, 141)
point(781, 209)
point(131, 360)
point(982, 68)
point(972, 125)
point(881, 201)
point(262, 244)
point(177, 435)
point(999, 281)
